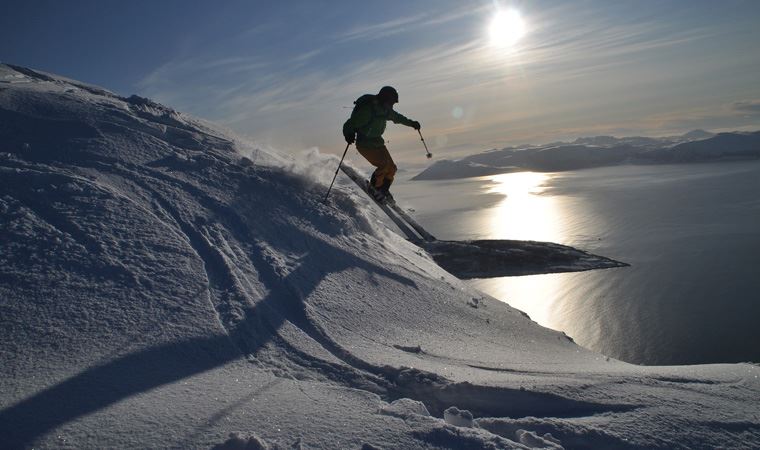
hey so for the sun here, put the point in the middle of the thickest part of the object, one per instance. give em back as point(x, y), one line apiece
point(507, 28)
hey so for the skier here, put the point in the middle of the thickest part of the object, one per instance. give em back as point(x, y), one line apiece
point(365, 127)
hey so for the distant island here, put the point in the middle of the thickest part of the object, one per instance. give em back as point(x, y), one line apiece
point(599, 151)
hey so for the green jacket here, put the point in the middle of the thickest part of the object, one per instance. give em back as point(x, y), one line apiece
point(368, 121)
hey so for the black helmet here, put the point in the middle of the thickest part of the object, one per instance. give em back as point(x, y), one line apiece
point(387, 95)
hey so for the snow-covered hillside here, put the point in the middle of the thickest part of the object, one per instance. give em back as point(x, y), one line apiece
point(599, 151)
point(163, 284)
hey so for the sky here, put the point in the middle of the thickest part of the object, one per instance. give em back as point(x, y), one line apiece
point(286, 73)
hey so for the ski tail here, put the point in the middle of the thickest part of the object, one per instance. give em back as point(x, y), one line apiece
point(413, 223)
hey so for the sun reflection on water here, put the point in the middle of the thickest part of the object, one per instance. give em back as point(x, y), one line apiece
point(533, 294)
point(524, 214)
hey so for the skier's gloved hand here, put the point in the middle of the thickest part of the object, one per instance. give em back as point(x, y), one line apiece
point(416, 125)
point(350, 138)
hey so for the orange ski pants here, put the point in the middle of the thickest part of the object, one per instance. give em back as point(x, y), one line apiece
point(380, 158)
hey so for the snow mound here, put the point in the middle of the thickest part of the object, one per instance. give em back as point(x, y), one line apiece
point(240, 442)
point(165, 284)
point(458, 418)
point(532, 440)
point(404, 407)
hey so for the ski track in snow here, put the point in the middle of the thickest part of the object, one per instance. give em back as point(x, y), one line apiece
point(182, 268)
point(226, 291)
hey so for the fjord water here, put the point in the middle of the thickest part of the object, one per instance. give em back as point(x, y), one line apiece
point(690, 232)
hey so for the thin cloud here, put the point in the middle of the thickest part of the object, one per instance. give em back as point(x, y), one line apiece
point(497, 90)
point(735, 115)
point(379, 30)
point(747, 107)
point(595, 46)
point(405, 24)
point(307, 56)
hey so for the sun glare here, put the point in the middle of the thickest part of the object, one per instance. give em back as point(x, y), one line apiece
point(507, 28)
point(524, 213)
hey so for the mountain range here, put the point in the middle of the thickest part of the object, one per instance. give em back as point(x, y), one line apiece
point(599, 151)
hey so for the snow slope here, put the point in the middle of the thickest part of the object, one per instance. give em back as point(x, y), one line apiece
point(158, 289)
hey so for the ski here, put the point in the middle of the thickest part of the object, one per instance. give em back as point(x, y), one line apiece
point(386, 208)
point(413, 223)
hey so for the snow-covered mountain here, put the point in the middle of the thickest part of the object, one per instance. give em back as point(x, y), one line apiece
point(598, 151)
point(164, 284)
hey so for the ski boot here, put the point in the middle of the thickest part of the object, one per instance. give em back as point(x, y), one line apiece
point(376, 193)
point(385, 190)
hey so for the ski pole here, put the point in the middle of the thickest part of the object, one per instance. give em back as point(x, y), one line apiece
point(429, 155)
point(336, 172)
